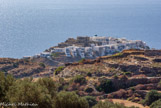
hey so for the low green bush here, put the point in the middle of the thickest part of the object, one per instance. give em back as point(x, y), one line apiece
point(152, 96)
point(70, 100)
point(127, 73)
point(32, 92)
point(5, 83)
point(89, 90)
point(58, 70)
point(79, 79)
point(91, 100)
point(106, 86)
point(159, 84)
point(42, 65)
point(89, 74)
point(156, 104)
point(117, 55)
point(81, 61)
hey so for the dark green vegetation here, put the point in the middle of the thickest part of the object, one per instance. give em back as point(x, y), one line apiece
point(70, 100)
point(42, 65)
point(44, 94)
point(5, 83)
point(156, 104)
point(91, 100)
point(151, 97)
point(106, 86)
point(59, 69)
point(81, 61)
point(79, 79)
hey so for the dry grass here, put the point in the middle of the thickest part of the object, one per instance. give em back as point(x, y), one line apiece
point(127, 103)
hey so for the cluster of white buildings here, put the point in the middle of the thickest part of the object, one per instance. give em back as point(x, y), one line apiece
point(109, 46)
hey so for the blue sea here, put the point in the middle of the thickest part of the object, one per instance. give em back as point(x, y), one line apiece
point(28, 27)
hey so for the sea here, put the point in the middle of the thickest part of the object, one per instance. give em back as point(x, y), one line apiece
point(28, 27)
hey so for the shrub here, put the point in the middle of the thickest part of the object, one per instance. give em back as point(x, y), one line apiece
point(58, 70)
point(61, 80)
point(128, 73)
point(70, 100)
point(123, 78)
point(115, 77)
point(79, 79)
point(5, 83)
point(152, 96)
point(159, 84)
point(49, 84)
point(156, 104)
point(42, 65)
point(91, 100)
point(89, 90)
point(31, 92)
point(89, 74)
point(15, 65)
point(81, 61)
point(132, 88)
point(117, 55)
point(106, 86)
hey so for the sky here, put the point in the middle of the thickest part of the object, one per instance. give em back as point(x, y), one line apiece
point(84, 1)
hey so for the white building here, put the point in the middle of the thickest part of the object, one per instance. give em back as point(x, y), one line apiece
point(67, 52)
point(81, 52)
point(58, 50)
point(45, 54)
point(109, 46)
point(74, 52)
point(89, 51)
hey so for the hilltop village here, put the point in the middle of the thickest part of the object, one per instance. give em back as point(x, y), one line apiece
point(92, 47)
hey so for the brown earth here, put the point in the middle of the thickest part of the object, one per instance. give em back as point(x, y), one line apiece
point(128, 103)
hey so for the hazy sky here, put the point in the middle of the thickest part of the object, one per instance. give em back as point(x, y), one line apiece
point(85, 1)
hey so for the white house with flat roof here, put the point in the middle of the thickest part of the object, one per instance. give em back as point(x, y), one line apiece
point(58, 50)
point(109, 46)
point(67, 52)
point(81, 52)
point(89, 52)
point(45, 54)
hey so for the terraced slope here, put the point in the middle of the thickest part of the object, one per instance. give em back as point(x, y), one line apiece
point(129, 62)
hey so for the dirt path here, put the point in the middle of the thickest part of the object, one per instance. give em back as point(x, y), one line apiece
point(149, 91)
point(127, 103)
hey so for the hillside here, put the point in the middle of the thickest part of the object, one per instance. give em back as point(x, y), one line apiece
point(20, 68)
point(128, 75)
point(131, 62)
